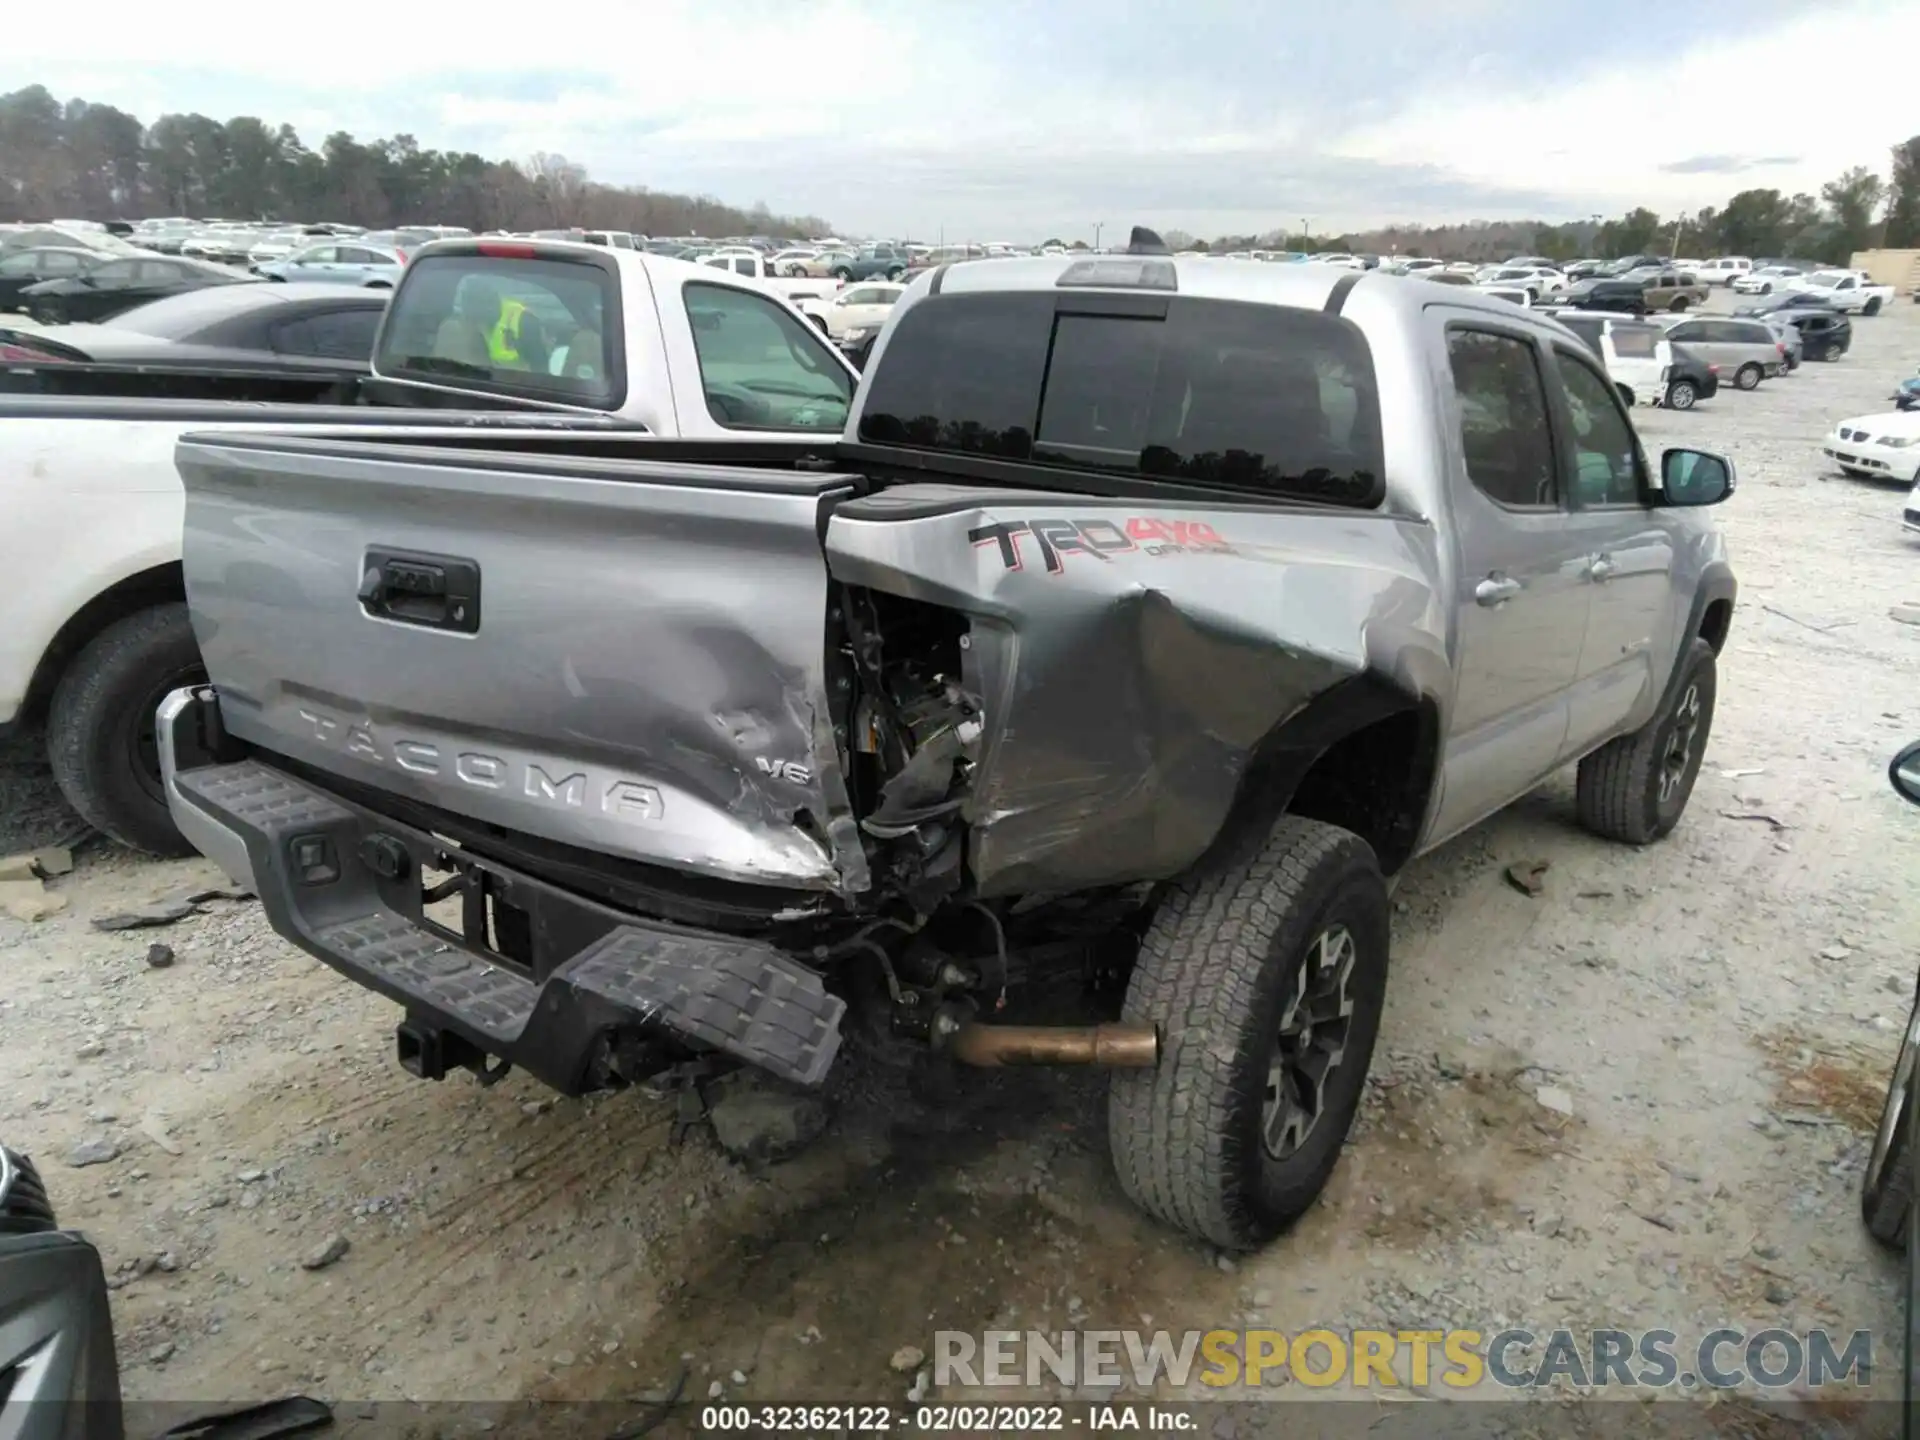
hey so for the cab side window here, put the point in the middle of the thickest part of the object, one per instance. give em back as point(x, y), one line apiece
point(762, 366)
point(1606, 457)
point(1504, 433)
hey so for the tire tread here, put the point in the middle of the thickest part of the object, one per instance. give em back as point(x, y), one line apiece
point(1612, 783)
point(1197, 978)
point(83, 698)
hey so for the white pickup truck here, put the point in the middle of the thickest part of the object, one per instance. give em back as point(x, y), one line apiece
point(755, 266)
point(91, 504)
point(1849, 290)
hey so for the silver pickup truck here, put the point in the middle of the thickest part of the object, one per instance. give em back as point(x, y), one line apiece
point(1148, 618)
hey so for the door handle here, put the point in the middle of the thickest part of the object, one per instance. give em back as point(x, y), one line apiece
point(1496, 589)
point(435, 592)
point(1601, 569)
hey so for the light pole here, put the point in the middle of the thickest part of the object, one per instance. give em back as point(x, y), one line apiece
point(1097, 227)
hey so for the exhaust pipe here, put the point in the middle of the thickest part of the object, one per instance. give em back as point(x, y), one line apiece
point(991, 1046)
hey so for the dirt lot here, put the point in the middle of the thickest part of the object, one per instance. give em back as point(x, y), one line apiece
point(1720, 1011)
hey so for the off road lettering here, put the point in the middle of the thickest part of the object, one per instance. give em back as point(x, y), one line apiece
point(1055, 540)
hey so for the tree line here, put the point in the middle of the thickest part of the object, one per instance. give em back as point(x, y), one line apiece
point(80, 160)
point(83, 160)
point(1857, 210)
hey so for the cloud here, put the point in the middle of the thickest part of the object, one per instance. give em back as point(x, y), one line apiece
point(1726, 164)
point(1620, 116)
point(1013, 120)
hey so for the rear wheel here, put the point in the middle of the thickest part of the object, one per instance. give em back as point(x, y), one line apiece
point(1635, 788)
point(1264, 973)
point(101, 739)
point(1872, 306)
point(1747, 377)
point(1679, 303)
point(1681, 395)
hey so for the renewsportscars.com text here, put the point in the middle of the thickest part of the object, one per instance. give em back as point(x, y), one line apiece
point(1458, 1360)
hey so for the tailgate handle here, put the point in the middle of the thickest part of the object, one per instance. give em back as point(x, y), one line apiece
point(435, 592)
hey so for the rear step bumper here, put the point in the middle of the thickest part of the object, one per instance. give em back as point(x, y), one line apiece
point(343, 883)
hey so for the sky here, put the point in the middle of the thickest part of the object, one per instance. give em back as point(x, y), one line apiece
point(1030, 119)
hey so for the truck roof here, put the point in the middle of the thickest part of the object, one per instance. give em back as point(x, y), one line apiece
point(663, 267)
point(1308, 285)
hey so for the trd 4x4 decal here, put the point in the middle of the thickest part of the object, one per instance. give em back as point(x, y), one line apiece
point(1102, 539)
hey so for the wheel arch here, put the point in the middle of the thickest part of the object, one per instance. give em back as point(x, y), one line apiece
point(1363, 755)
point(156, 585)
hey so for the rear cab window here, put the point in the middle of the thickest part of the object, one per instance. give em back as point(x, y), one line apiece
point(1272, 400)
point(543, 326)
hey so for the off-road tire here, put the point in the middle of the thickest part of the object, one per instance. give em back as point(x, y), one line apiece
point(1748, 376)
point(1886, 1191)
point(1681, 395)
point(1617, 789)
point(1216, 966)
point(1872, 307)
point(94, 726)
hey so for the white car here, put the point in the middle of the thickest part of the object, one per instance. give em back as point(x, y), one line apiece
point(1536, 280)
point(861, 308)
point(1723, 269)
point(1513, 294)
point(1636, 352)
point(280, 245)
point(1878, 447)
point(1765, 280)
point(791, 263)
point(1850, 290)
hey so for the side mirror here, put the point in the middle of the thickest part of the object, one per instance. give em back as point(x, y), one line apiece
point(1905, 773)
point(1695, 477)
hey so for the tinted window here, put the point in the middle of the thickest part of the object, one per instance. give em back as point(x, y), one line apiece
point(508, 324)
point(1263, 398)
point(1605, 467)
point(1503, 417)
point(762, 367)
point(1636, 342)
point(331, 335)
point(59, 262)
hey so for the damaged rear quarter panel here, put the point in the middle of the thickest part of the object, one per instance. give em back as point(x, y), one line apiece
point(1131, 656)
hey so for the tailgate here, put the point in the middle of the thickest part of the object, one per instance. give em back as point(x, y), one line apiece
point(623, 655)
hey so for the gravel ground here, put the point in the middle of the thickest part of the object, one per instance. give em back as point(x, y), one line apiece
point(1711, 1021)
